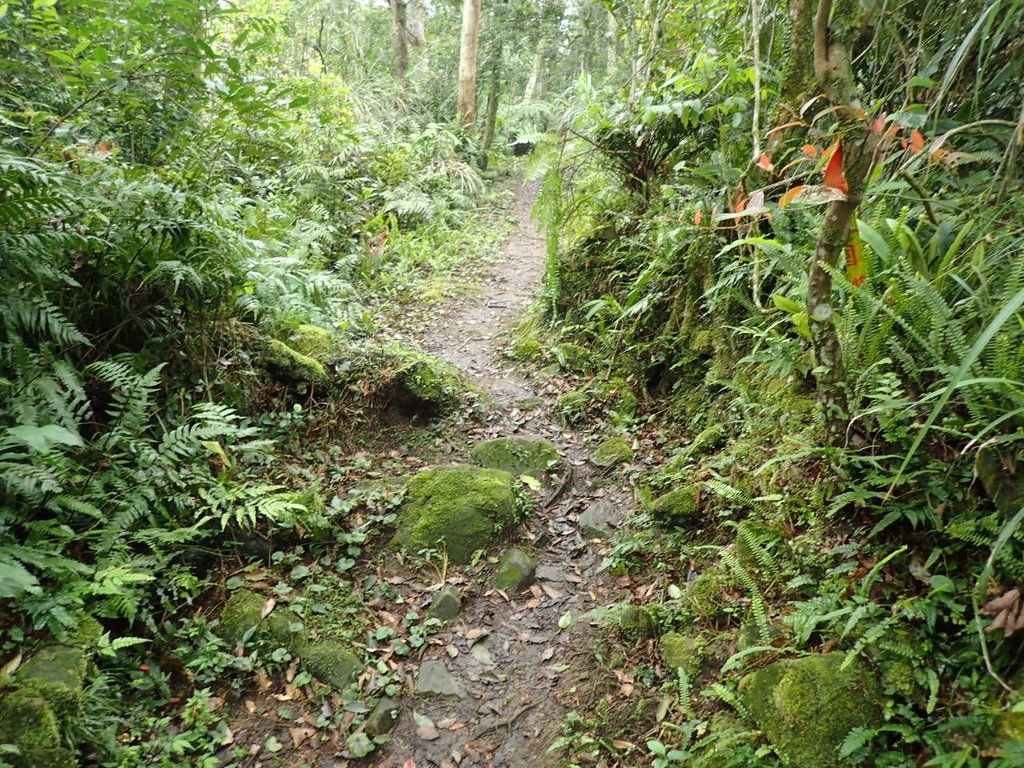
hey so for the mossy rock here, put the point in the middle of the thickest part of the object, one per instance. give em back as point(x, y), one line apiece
point(86, 635)
point(383, 717)
point(806, 707)
point(515, 570)
point(57, 674)
point(703, 443)
point(637, 622)
point(679, 508)
point(318, 343)
point(421, 384)
point(331, 662)
point(680, 652)
point(533, 456)
point(28, 722)
point(445, 605)
point(528, 350)
point(612, 452)
point(618, 396)
point(459, 508)
point(290, 365)
point(574, 358)
point(707, 595)
point(244, 610)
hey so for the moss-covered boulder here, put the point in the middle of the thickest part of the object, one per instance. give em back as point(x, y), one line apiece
point(708, 595)
point(244, 611)
point(612, 452)
point(318, 343)
point(528, 350)
point(806, 707)
point(573, 405)
point(458, 508)
point(680, 652)
point(29, 723)
point(416, 383)
point(331, 662)
point(57, 673)
point(637, 622)
point(532, 456)
point(290, 365)
point(679, 508)
point(515, 570)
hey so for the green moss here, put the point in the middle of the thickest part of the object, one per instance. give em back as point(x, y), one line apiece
point(244, 610)
point(87, 633)
point(424, 378)
point(707, 594)
point(315, 342)
point(806, 707)
point(617, 396)
point(331, 662)
point(528, 350)
point(533, 456)
point(28, 722)
point(613, 452)
point(57, 674)
point(515, 570)
point(287, 363)
point(460, 508)
point(637, 622)
point(679, 507)
point(681, 652)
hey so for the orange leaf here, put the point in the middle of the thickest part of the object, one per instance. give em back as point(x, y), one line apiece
point(810, 150)
point(916, 141)
point(834, 170)
point(698, 216)
point(791, 195)
point(741, 206)
point(764, 162)
point(879, 125)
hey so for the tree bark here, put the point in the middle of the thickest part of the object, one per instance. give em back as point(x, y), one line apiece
point(417, 36)
point(531, 82)
point(466, 105)
point(491, 115)
point(857, 144)
point(611, 39)
point(399, 22)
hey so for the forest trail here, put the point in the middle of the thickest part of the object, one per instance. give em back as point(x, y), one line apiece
point(507, 653)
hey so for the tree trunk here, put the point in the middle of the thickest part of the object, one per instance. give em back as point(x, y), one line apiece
point(611, 39)
point(416, 34)
point(857, 144)
point(466, 106)
point(491, 116)
point(398, 21)
point(531, 82)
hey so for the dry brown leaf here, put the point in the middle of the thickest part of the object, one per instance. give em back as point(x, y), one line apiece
point(268, 607)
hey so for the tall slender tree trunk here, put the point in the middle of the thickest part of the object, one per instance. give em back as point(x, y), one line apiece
point(417, 36)
point(531, 81)
point(857, 144)
point(611, 41)
point(491, 115)
point(399, 22)
point(466, 105)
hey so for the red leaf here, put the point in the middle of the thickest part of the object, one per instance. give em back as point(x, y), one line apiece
point(916, 141)
point(834, 170)
point(764, 162)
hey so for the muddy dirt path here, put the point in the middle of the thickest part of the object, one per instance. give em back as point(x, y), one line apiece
point(509, 659)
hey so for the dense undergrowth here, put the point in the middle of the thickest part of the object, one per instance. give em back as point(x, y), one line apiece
point(197, 250)
point(678, 280)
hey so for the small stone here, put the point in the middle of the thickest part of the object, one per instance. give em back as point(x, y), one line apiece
point(549, 573)
point(435, 680)
point(612, 452)
point(637, 623)
point(332, 663)
point(515, 571)
point(600, 520)
point(446, 605)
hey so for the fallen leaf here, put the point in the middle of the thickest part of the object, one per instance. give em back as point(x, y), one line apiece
point(410, 763)
point(268, 607)
point(764, 162)
point(811, 151)
point(916, 141)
